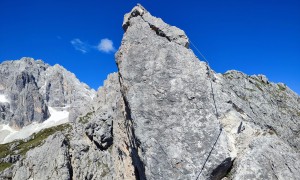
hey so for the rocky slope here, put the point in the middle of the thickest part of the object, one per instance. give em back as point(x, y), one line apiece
point(167, 115)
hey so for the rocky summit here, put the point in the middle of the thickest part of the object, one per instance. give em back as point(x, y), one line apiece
point(164, 115)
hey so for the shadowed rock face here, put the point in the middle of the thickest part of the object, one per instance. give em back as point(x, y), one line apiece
point(166, 115)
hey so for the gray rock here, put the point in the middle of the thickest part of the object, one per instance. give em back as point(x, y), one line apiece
point(94, 149)
point(268, 158)
point(61, 88)
point(29, 104)
point(168, 100)
point(31, 86)
point(100, 132)
point(171, 33)
point(10, 159)
point(5, 113)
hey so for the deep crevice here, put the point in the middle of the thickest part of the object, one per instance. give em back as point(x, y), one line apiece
point(139, 169)
point(158, 31)
point(222, 170)
point(98, 145)
point(240, 128)
point(238, 109)
point(137, 162)
point(69, 165)
point(161, 33)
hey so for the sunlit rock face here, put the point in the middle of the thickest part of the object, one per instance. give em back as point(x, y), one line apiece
point(35, 95)
point(164, 115)
point(28, 87)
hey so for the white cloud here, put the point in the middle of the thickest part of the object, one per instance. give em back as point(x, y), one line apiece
point(106, 45)
point(80, 46)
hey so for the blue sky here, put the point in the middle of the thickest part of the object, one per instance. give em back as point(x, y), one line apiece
point(255, 37)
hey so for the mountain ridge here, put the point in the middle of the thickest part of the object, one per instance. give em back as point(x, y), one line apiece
point(30, 87)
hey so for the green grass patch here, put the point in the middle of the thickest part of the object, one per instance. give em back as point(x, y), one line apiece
point(40, 137)
point(22, 147)
point(85, 119)
point(4, 150)
point(4, 166)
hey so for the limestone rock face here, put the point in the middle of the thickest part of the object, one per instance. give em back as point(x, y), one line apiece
point(167, 93)
point(30, 86)
point(19, 86)
point(60, 87)
point(164, 115)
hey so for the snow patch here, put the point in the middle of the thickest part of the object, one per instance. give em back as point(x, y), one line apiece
point(56, 116)
point(3, 98)
point(7, 134)
point(6, 127)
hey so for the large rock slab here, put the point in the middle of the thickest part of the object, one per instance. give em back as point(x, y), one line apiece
point(168, 96)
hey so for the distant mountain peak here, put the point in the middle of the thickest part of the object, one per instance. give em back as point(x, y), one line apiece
point(32, 85)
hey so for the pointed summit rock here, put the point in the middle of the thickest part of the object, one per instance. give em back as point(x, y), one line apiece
point(169, 100)
point(140, 15)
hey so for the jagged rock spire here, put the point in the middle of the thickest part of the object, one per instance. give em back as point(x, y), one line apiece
point(172, 33)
